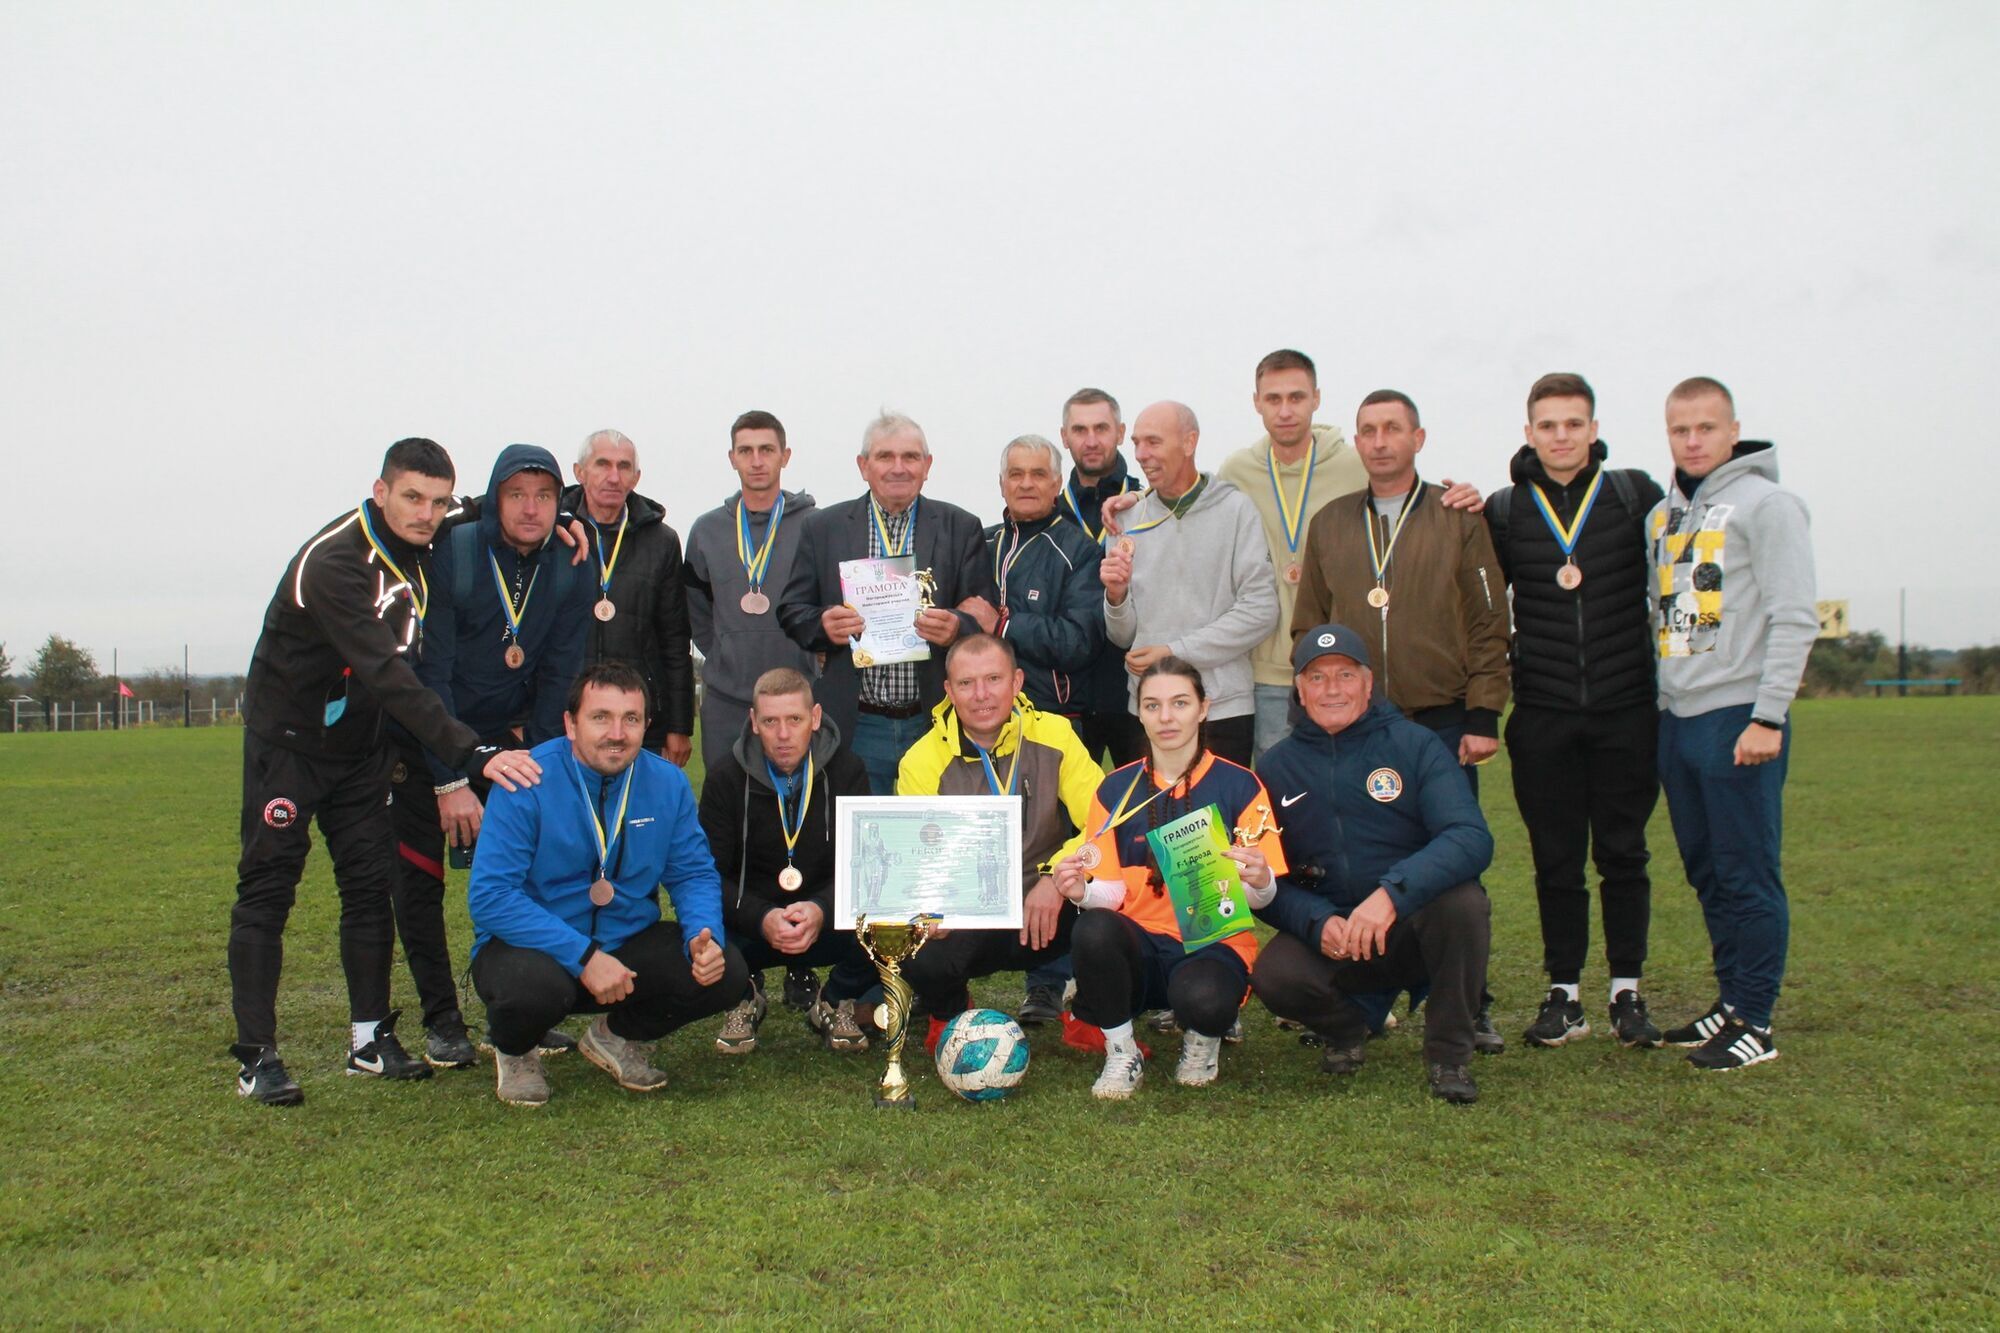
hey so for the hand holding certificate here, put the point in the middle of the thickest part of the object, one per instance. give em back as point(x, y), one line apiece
point(1202, 878)
point(888, 594)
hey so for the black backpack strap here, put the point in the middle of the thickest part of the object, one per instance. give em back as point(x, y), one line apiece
point(1500, 523)
point(464, 556)
point(1627, 492)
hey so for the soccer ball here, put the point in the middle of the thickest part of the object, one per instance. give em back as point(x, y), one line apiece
point(981, 1055)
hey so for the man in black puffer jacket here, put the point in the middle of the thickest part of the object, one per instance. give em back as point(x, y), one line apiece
point(1570, 537)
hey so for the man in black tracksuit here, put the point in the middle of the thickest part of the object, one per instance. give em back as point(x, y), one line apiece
point(504, 639)
point(786, 744)
point(331, 661)
point(1585, 726)
point(1092, 432)
point(636, 559)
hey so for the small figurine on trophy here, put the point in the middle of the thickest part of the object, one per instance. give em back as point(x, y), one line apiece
point(890, 944)
point(926, 585)
point(1250, 837)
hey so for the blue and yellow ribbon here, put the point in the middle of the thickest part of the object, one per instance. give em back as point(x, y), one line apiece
point(908, 543)
point(604, 566)
point(756, 564)
point(420, 590)
point(1566, 537)
point(791, 825)
point(514, 613)
point(1380, 555)
point(604, 843)
point(1292, 516)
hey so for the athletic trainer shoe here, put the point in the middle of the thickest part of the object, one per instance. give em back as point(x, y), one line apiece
point(519, 1080)
point(1164, 1023)
point(1201, 1060)
point(1343, 1061)
point(837, 1026)
point(1043, 1005)
point(1736, 1046)
point(263, 1078)
point(1453, 1083)
point(1486, 1039)
point(626, 1061)
point(447, 1046)
point(801, 988)
point(1234, 1037)
point(385, 1057)
point(1629, 1022)
point(1701, 1029)
point(739, 1028)
point(1560, 1020)
point(1124, 1068)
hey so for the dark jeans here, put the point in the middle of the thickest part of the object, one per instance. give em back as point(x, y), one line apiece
point(941, 969)
point(1729, 823)
point(1448, 721)
point(283, 792)
point(1234, 738)
point(418, 892)
point(721, 723)
point(1586, 784)
point(1118, 732)
point(1445, 944)
point(527, 992)
point(879, 743)
point(1122, 969)
point(837, 949)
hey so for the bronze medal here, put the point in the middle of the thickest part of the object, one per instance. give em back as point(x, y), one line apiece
point(513, 657)
point(601, 893)
point(1089, 856)
point(604, 610)
point(1569, 577)
point(863, 658)
point(789, 879)
point(1127, 545)
point(882, 1017)
point(1378, 597)
point(754, 603)
point(1293, 572)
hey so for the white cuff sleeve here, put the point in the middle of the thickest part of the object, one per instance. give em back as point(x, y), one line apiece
point(1109, 893)
point(1261, 898)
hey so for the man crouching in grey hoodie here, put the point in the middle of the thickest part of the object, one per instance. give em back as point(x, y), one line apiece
point(1732, 600)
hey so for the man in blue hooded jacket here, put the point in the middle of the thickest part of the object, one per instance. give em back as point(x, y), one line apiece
point(503, 638)
point(565, 899)
point(1386, 844)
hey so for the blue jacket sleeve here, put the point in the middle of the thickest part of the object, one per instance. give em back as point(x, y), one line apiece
point(1297, 911)
point(440, 652)
point(498, 897)
point(1460, 846)
point(691, 881)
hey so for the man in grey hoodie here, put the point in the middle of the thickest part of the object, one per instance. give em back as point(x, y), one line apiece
point(1190, 574)
point(1732, 602)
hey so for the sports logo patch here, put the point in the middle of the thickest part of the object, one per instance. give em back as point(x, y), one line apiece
point(1326, 640)
point(1385, 784)
point(280, 813)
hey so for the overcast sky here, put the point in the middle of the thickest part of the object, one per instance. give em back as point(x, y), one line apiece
point(245, 247)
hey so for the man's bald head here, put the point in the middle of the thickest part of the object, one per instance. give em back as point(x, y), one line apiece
point(1163, 440)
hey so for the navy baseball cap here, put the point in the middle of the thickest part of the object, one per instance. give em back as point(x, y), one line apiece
point(1326, 640)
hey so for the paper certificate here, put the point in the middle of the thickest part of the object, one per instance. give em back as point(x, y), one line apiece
point(1206, 886)
point(957, 856)
point(886, 593)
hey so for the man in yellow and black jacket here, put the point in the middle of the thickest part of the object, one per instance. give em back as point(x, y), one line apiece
point(986, 738)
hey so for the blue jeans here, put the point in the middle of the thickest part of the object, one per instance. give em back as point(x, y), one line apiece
point(879, 743)
point(1274, 715)
point(1729, 820)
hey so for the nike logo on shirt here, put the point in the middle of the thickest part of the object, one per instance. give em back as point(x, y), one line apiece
point(1286, 802)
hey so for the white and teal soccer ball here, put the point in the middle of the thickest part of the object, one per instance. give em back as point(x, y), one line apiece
point(982, 1055)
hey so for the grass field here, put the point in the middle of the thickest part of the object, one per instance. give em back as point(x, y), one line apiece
point(1849, 1183)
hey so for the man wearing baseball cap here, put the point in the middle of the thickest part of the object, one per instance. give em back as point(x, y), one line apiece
point(1385, 844)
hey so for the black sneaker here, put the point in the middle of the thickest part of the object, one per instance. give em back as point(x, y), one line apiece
point(263, 1077)
point(1043, 1005)
point(1343, 1061)
point(1486, 1039)
point(385, 1057)
point(801, 988)
point(1736, 1046)
point(1630, 1023)
point(1453, 1083)
point(1700, 1030)
point(1560, 1020)
point(447, 1046)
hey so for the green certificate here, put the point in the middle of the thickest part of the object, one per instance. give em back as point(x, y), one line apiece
point(1206, 886)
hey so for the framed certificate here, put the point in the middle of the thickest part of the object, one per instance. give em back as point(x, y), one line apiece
point(957, 856)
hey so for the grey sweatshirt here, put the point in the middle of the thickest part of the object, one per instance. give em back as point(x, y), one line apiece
point(736, 646)
point(1203, 585)
point(1732, 589)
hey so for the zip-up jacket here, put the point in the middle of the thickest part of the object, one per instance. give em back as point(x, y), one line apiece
point(538, 858)
point(1588, 648)
point(464, 638)
point(335, 652)
point(650, 629)
point(1381, 804)
point(1442, 639)
point(1083, 503)
point(1056, 779)
point(737, 647)
point(739, 813)
point(1052, 604)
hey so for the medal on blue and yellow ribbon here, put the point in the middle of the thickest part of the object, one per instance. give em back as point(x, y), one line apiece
point(515, 654)
point(890, 548)
point(604, 609)
point(1292, 517)
point(602, 891)
point(757, 563)
point(1569, 576)
point(1379, 555)
point(792, 822)
point(420, 590)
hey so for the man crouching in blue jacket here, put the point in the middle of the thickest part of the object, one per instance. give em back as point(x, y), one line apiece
point(1386, 844)
point(565, 898)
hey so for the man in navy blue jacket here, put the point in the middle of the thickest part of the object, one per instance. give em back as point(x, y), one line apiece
point(502, 641)
point(1386, 844)
point(565, 898)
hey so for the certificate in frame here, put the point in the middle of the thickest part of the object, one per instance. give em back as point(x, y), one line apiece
point(956, 856)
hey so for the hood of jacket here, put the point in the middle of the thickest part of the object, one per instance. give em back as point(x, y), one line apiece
point(1527, 465)
point(1752, 458)
point(513, 459)
point(748, 751)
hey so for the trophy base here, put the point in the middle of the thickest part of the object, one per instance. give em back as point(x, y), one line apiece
point(903, 1100)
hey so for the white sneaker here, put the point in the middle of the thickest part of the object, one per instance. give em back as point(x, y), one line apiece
point(1124, 1067)
point(1200, 1058)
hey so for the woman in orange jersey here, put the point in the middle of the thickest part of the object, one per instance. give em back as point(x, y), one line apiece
point(1127, 947)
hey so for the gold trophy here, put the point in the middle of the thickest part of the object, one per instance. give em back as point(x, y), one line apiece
point(891, 944)
point(926, 585)
point(1250, 837)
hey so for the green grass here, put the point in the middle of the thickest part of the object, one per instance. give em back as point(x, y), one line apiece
point(1849, 1183)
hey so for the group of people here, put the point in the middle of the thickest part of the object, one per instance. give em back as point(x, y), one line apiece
point(1310, 638)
